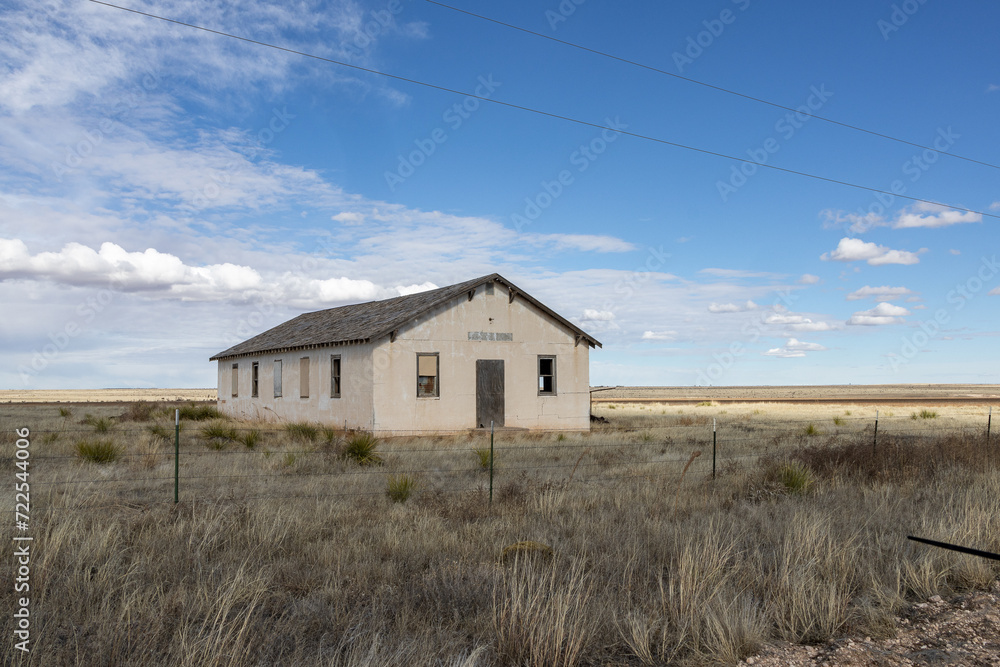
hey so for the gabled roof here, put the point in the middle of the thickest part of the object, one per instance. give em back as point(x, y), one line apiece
point(365, 322)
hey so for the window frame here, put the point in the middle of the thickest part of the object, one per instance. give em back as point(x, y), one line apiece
point(336, 369)
point(235, 382)
point(552, 375)
point(277, 378)
point(255, 379)
point(304, 365)
point(437, 367)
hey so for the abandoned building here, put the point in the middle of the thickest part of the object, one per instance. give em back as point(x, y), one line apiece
point(445, 360)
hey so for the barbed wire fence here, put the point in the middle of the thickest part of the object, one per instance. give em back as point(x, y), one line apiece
point(308, 463)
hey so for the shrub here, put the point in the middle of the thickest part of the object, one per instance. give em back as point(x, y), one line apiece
point(924, 414)
point(65, 412)
point(704, 404)
point(139, 411)
point(360, 448)
point(98, 451)
point(302, 431)
point(199, 413)
point(811, 430)
point(838, 421)
point(400, 487)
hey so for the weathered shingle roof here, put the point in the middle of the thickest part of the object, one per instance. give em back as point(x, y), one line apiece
point(364, 322)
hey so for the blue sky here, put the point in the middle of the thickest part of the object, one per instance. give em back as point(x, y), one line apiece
point(166, 192)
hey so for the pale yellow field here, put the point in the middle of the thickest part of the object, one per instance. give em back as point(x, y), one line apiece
point(104, 395)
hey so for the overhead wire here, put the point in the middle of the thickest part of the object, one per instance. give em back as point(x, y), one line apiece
point(548, 114)
point(728, 91)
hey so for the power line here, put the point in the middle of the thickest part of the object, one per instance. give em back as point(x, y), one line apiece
point(548, 114)
point(708, 85)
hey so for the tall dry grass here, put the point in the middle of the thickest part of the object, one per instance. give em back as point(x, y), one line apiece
point(306, 561)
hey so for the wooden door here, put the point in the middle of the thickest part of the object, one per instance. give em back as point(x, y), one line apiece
point(489, 392)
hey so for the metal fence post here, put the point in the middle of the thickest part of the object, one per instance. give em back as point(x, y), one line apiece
point(875, 439)
point(177, 451)
point(713, 447)
point(491, 463)
point(989, 418)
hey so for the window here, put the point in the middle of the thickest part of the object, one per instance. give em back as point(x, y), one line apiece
point(254, 379)
point(489, 289)
point(546, 376)
point(236, 380)
point(304, 377)
point(335, 376)
point(277, 378)
point(427, 375)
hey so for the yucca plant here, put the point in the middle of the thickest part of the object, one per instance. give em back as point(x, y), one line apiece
point(249, 438)
point(796, 478)
point(360, 448)
point(98, 451)
point(200, 412)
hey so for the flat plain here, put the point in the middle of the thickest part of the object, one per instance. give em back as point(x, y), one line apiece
point(627, 545)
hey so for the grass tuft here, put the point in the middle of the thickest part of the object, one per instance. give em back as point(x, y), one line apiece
point(924, 414)
point(483, 457)
point(400, 487)
point(140, 411)
point(302, 431)
point(811, 430)
point(796, 478)
point(98, 451)
point(100, 424)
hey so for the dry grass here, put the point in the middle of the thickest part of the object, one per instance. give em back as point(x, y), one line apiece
point(291, 554)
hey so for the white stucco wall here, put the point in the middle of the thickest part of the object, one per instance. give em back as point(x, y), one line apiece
point(446, 332)
point(355, 405)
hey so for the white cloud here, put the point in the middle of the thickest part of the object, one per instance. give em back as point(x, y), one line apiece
point(658, 335)
point(731, 307)
point(955, 252)
point(884, 293)
point(590, 315)
point(995, 290)
point(738, 273)
point(415, 289)
point(883, 313)
point(809, 325)
point(854, 222)
point(809, 279)
point(587, 242)
point(931, 215)
point(853, 250)
point(794, 348)
point(995, 206)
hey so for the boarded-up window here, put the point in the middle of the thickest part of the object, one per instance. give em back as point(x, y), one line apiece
point(254, 379)
point(335, 376)
point(304, 377)
point(427, 375)
point(236, 380)
point(546, 375)
point(277, 378)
